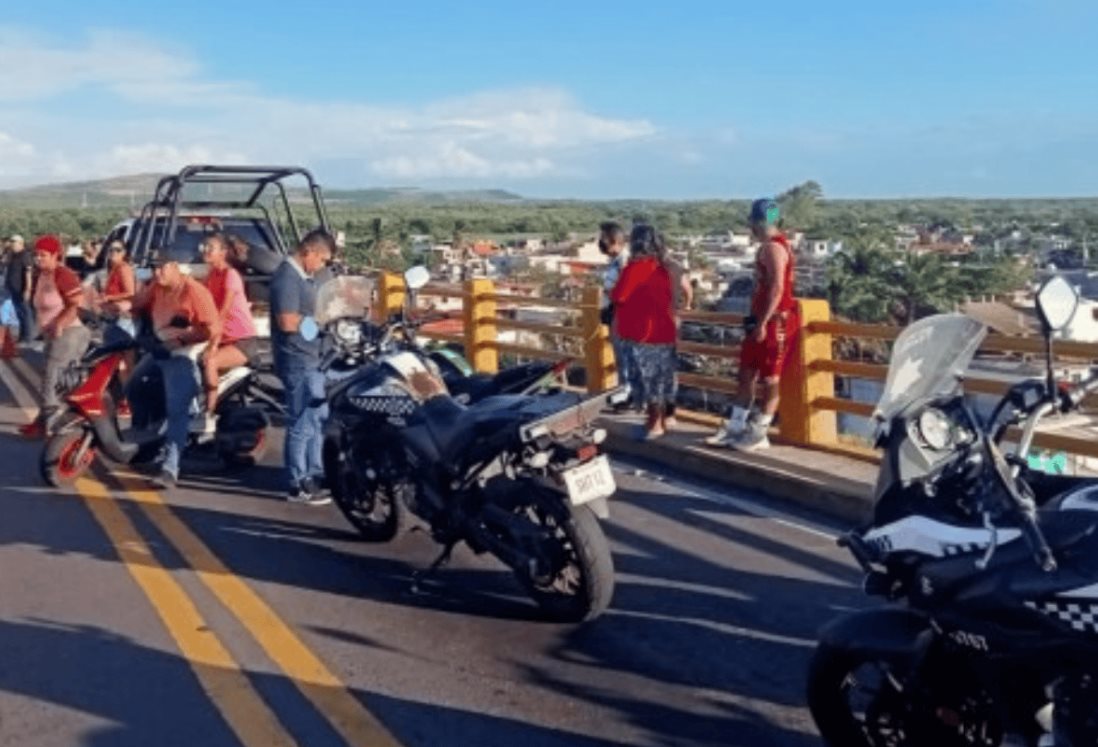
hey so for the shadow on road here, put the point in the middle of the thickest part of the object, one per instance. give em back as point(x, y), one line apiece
point(136, 695)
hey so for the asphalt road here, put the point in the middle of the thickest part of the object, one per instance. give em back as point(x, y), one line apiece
point(217, 614)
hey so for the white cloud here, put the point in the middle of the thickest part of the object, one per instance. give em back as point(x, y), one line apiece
point(154, 157)
point(173, 114)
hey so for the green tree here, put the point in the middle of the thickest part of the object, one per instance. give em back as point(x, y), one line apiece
point(859, 286)
point(799, 204)
point(924, 284)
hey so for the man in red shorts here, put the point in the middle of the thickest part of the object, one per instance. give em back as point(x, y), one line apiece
point(770, 332)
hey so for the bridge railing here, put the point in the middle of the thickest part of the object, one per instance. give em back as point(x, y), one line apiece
point(809, 409)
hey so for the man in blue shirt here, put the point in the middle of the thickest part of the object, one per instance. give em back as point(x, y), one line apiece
point(296, 360)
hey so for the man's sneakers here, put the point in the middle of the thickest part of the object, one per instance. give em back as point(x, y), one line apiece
point(725, 434)
point(164, 479)
point(309, 493)
point(753, 438)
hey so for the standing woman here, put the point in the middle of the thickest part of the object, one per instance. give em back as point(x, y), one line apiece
point(56, 298)
point(645, 317)
point(236, 344)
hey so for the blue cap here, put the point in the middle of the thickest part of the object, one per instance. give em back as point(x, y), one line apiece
point(765, 211)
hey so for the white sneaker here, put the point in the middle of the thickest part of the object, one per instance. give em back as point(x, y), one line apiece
point(725, 434)
point(751, 439)
point(204, 424)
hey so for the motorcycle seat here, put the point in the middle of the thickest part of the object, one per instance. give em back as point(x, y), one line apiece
point(452, 425)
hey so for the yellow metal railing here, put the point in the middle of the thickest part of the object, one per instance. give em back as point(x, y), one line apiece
point(809, 405)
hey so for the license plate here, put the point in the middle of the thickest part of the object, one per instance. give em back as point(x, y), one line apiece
point(590, 481)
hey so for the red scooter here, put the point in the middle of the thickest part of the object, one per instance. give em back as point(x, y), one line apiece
point(90, 425)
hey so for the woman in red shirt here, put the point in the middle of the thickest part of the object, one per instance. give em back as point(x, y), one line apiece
point(644, 316)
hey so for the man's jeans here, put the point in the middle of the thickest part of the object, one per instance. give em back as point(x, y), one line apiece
point(180, 376)
point(306, 412)
point(24, 312)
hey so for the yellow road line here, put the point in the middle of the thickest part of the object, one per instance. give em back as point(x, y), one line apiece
point(349, 717)
point(228, 688)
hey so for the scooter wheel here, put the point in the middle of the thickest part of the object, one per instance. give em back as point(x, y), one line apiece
point(247, 457)
point(59, 464)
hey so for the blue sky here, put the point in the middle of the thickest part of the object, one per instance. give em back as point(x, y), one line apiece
point(597, 99)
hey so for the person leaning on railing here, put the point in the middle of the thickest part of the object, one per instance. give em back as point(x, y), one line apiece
point(645, 321)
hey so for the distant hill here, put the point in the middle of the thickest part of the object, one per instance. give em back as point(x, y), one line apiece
point(136, 189)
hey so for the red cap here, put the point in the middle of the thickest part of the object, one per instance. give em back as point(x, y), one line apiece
point(49, 244)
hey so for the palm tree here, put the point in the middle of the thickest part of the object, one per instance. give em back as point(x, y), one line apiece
point(859, 286)
point(924, 283)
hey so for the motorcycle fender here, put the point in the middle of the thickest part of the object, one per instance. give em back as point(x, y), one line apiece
point(891, 633)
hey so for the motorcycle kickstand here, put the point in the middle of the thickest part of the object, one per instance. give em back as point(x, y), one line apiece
point(440, 562)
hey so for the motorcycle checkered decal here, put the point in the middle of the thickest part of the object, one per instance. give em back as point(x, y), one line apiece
point(385, 405)
point(962, 548)
point(1080, 616)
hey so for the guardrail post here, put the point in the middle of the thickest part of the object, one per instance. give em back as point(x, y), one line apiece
point(597, 354)
point(390, 295)
point(801, 423)
point(480, 325)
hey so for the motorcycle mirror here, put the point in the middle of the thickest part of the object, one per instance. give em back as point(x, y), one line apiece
point(1056, 303)
point(417, 277)
point(309, 329)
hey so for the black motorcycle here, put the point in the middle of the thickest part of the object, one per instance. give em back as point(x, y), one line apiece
point(520, 477)
point(992, 637)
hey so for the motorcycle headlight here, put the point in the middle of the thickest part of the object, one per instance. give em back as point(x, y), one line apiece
point(348, 331)
point(935, 429)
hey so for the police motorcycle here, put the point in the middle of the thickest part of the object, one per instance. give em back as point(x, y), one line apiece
point(520, 477)
point(990, 636)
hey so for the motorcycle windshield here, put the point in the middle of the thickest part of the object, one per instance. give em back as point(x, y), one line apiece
point(343, 297)
point(928, 360)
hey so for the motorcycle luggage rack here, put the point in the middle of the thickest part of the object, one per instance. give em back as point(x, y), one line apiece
point(570, 419)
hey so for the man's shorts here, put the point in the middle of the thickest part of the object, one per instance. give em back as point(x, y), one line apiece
point(770, 356)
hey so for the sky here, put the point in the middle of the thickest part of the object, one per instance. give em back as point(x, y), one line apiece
point(595, 99)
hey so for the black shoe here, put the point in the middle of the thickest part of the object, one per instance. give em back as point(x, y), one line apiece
point(302, 494)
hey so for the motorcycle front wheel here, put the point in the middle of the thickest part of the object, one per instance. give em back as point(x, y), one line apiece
point(571, 572)
point(374, 510)
point(61, 461)
point(859, 699)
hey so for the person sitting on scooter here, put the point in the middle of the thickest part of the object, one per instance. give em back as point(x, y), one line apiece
point(118, 293)
point(237, 343)
point(56, 297)
point(184, 319)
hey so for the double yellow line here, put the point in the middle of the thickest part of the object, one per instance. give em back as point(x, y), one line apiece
point(218, 673)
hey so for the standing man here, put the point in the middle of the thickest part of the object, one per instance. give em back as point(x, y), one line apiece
point(184, 319)
point(296, 360)
point(612, 243)
point(770, 331)
point(19, 284)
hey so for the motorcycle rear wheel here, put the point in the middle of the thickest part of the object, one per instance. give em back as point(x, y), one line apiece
point(861, 700)
point(58, 463)
point(579, 585)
